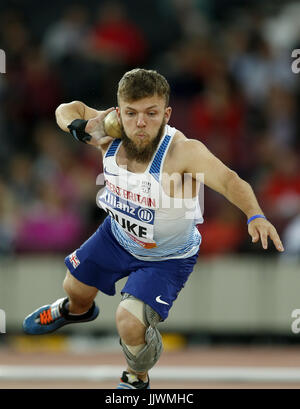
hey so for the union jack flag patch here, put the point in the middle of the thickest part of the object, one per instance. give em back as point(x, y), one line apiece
point(74, 260)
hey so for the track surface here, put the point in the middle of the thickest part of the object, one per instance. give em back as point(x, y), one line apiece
point(288, 357)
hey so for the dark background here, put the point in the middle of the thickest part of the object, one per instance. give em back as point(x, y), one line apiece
point(229, 67)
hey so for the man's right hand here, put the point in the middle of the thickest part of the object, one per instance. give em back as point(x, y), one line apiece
point(95, 128)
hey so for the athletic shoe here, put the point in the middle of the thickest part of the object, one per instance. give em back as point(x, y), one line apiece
point(130, 381)
point(51, 317)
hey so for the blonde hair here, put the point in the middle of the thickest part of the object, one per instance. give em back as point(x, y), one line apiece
point(140, 83)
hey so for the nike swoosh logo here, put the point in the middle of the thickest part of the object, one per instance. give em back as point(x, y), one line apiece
point(157, 299)
point(108, 173)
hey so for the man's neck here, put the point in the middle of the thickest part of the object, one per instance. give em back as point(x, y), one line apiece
point(132, 165)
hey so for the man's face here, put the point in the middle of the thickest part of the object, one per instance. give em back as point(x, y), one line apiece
point(142, 123)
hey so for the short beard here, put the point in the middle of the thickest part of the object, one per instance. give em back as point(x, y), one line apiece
point(141, 155)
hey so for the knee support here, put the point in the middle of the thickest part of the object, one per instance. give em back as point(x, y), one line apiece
point(147, 357)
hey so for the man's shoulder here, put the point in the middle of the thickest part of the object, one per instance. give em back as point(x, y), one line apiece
point(178, 141)
point(180, 152)
point(104, 148)
point(183, 146)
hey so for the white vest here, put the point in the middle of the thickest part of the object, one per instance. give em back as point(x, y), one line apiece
point(144, 219)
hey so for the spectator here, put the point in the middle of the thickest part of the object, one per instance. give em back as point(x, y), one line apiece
point(40, 87)
point(232, 88)
point(280, 192)
point(8, 219)
point(281, 113)
point(291, 240)
point(66, 37)
point(218, 119)
point(115, 39)
point(49, 225)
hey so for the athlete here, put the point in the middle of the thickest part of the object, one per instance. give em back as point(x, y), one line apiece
point(152, 178)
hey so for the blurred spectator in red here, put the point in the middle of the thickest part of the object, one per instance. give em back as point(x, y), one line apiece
point(116, 40)
point(223, 233)
point(280, 192)
point(35, 88)
point(40, 87)
point(217, 118)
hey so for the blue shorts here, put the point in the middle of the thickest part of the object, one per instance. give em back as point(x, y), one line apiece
point(101, 261)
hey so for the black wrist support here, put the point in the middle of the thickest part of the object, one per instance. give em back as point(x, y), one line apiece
point(77, 129)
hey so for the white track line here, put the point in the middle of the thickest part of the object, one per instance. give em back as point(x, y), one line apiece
point(163, 373)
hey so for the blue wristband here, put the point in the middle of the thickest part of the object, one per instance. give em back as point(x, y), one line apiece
point(256, 216)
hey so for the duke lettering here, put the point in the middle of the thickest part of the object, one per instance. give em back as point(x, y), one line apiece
point(140, 231)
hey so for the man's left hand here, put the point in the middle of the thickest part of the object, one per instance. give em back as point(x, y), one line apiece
point(262, 229)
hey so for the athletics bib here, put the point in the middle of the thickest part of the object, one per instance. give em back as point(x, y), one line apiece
point(133, 210)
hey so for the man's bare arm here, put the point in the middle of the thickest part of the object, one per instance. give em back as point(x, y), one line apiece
point(66, 113)
point(198, 159)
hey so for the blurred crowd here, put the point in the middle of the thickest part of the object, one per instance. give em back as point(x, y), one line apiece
point(233, 88)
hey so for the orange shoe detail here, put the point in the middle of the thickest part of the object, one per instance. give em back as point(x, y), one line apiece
point(46, 317)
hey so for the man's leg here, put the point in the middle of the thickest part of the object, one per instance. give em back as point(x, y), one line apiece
point(132, 332)
point(140, 339)
point(78, 307)
point(81, 296)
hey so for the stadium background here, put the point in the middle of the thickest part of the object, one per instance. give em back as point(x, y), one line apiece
point(229, 67)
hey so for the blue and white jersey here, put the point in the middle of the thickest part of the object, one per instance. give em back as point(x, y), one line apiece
point(147, 222)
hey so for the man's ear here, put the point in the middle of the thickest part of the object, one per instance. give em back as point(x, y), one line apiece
point(168, 113)
point(118, 114)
